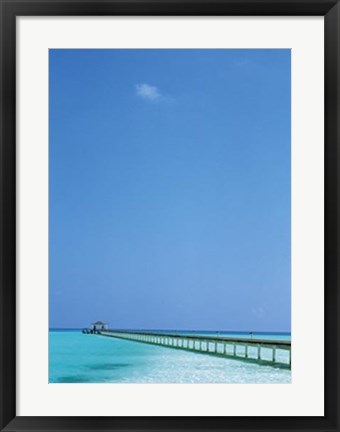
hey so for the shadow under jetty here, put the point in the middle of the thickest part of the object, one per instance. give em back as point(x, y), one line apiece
point(267, 352)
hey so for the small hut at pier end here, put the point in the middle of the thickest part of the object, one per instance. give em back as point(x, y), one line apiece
point(99, 325)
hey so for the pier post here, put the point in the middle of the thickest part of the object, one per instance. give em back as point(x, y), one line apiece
point(274, 354)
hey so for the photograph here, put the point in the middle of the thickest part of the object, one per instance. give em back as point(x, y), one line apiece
point(169, 216)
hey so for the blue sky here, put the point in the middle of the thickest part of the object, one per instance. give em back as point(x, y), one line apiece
point(169, 194)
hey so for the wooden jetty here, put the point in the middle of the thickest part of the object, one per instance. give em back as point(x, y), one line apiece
point(268, 352)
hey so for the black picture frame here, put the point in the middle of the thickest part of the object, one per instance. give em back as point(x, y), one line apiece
point(10, 9)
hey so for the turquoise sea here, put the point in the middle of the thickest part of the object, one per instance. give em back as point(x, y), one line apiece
point(78, 358)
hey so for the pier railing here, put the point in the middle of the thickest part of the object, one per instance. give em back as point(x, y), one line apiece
point(269, 352)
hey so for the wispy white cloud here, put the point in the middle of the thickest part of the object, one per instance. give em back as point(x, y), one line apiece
point(259, 312)
point(148, 92)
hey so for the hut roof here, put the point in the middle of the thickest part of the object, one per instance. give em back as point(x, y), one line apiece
point(99, 323)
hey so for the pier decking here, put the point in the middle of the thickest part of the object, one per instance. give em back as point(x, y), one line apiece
point(269, 352)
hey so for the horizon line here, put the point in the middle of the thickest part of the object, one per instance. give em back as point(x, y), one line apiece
point(171, 329)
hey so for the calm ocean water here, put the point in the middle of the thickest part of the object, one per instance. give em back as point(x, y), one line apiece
point(78, 358)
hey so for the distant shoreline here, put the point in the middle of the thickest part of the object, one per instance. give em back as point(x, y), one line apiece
point(183, 331)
